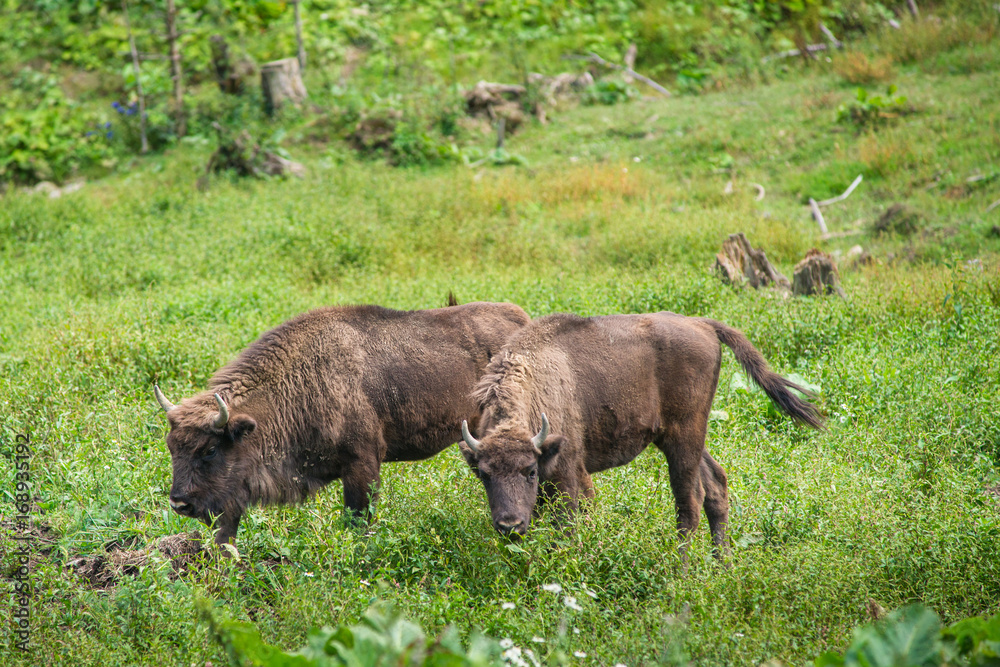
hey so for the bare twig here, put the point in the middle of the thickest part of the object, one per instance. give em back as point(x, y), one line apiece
point(837, 44)
point(818, 215)
point(594, 58)
point(138, 81)
point(847, 193)
point(791, 53)
point(501, 128)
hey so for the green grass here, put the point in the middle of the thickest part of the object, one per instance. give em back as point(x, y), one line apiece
point(143, 278)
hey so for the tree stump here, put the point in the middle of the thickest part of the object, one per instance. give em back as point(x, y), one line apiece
point(281, 80)
point(740, 263)
point(816, 274)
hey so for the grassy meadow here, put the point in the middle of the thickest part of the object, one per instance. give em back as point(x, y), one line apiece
point(142, 278)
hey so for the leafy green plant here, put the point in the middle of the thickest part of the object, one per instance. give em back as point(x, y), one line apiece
point(45, 135)
point(869, 110)
point(912, 637)
point(383, 637)
point(609, 92)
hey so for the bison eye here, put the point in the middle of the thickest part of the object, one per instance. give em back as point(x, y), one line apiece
point(210, 454)
point(531, 474)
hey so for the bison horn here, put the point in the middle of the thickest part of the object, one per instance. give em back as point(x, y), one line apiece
point(223, 418)
point(537, 441)
point(469, 440)
point(162, 400)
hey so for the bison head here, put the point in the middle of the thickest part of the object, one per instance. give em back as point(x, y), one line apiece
point(510, 464)
point(206, 461)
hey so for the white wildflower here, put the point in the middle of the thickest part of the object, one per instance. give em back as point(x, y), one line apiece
point(590, 593)
point(513, 656)
point(538, 640)
point(531, 656)
point(637, 159)
point(365, 583)
point(620, 664)
point(739, 634)
point(580, 654)
point(576, 631)
point(570, 602)
point(507, 605)
point(309, 574)
point(552, 588)
point(506, 642)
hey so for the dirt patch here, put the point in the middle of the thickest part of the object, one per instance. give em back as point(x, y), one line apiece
point(900, 219)
point(104, 570)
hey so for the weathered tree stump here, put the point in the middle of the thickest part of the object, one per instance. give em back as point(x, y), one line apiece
point(740, 263)
point(816, 274)
point(495, 101)
point(281, 80)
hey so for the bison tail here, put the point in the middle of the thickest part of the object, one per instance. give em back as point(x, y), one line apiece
point(775, 386)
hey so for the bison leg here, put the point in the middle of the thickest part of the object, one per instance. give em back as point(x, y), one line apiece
point(683, 449)
point(227, 523)
point(361, 481)
point(713, 478)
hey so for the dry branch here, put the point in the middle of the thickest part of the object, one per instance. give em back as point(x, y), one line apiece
point(817, 215)
point(847, 193)
point(597, 60)
point(791, 53)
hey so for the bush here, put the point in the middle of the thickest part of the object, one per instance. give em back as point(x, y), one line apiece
point(382, 638)
point(47, 136)
point(869, 110)
point(912, 637)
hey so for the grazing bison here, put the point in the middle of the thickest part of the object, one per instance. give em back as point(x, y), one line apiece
point(330, 394)
point(595, 392)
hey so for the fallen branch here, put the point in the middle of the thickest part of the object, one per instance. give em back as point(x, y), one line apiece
point(837, 44)
point(596, 59)
point(817, 215)
point(791, 53)
point(847, 193)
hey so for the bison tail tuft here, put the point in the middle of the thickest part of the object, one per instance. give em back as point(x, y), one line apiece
point(778, 388)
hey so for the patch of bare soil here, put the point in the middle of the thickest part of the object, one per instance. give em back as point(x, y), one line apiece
point(104, 570)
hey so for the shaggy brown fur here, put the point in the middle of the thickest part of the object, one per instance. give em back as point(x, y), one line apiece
point(331, 394)
point(609, 386)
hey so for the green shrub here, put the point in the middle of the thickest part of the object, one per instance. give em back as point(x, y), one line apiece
point(45, 135)
point(873, 110)
point(609, 91)
point(382, 637)
point(912, 637)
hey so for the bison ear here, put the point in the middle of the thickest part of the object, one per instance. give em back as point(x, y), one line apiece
point(470, 456)
point(550, 453)
point(241, 426)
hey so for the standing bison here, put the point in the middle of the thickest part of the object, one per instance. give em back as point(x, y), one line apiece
point(595, 392)
point(330, 394)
